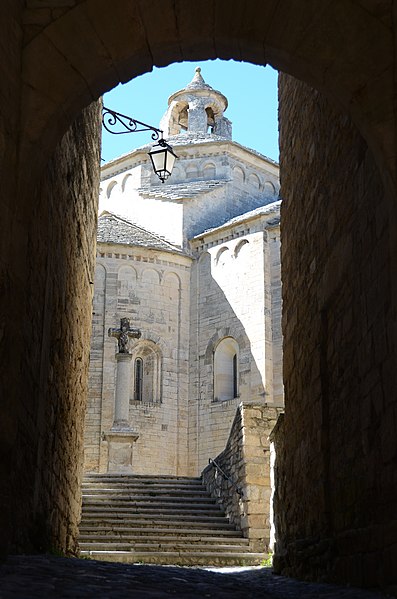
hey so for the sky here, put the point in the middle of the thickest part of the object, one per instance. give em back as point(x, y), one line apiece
point(250, 89)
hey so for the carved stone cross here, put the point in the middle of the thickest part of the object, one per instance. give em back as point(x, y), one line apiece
point(123, 335)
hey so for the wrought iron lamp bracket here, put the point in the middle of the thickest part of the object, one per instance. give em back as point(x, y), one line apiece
point(112, 119)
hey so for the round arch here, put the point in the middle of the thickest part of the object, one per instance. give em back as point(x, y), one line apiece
point(226, 354)
point(344, 49)
point(241, 244)
point(241, 340)
point(221, 255)
point(112, 185)
point(146, 375)
point(124, 181)
point(341, 49)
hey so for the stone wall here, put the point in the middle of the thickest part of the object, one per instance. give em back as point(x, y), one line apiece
point(48, 347)
point(159, 292)
point(233, 286)
point(14, 231)
point(151, 288)
point(337, 447)
point(272, 312)
point(357, 68)
point(240, 181)
point(245, 495)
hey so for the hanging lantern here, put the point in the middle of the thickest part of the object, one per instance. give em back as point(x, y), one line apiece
point(161, 155)
point(163, 159)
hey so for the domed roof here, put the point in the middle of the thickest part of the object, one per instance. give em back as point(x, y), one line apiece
point(198, 82)
point(198, 85)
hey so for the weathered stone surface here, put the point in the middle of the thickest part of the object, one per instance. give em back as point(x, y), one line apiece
point(347, 49)
point(343, 49)
point(47, 381)
point(149, 286)
point(245, 494)
point(336, 445)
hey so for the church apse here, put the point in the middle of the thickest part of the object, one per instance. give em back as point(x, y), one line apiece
point(193, 265)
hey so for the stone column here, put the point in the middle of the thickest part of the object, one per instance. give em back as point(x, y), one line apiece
point(121, 436)
point(197, 116)
point(122, 398)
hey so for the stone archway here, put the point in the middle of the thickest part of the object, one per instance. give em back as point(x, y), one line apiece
point(60, 59)
point(74, 55)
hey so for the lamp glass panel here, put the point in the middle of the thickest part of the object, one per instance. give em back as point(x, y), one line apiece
point(159, 159)
point(170, 161)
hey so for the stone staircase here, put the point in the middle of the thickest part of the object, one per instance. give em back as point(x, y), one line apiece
point(158, 520)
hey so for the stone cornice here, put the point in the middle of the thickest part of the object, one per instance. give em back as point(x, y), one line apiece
point(191, 150)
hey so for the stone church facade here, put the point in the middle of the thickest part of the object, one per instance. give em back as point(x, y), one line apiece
point(194, 265)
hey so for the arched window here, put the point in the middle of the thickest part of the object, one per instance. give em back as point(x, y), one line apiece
point(178, 120)
point(235, 390)
point(146, 381)
point(210, 119)
point(226, 370)
point(138, 379)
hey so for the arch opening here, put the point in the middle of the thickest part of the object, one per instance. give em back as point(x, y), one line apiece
point(226, 370)
point(146, 383)
point(348, 81)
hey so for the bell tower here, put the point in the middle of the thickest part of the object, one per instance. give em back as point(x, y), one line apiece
point(197, 110)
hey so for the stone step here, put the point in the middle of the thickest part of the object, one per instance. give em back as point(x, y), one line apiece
point(145, 491)
point(168, 501)
point(112, 476)
point(179, 558)
point(152, 505)
point(159, 523)
point(175, 538)
point(134, 478)
point(159, 531)
point(171, 537)
point(148, 483)
point(165, 515)
point(176, 481)
point(149, 496)
point(166, 547)
point(164, 511)
point(158, 520)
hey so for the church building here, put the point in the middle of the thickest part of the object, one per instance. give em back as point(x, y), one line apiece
point(188, 279)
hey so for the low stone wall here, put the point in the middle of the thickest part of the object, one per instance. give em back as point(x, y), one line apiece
point(246, 460)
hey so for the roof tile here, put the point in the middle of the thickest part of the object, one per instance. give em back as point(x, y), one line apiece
point(115, 229)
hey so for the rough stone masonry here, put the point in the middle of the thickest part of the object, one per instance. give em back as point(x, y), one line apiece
point(336, 462)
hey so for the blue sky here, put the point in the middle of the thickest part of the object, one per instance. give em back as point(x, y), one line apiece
point(251, 91)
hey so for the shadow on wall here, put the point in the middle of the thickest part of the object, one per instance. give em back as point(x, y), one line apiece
point(228, 368)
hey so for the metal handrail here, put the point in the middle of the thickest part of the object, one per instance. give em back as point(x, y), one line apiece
point(226, 476)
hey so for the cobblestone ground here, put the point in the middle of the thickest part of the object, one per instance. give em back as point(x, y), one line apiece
point(34, 577)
